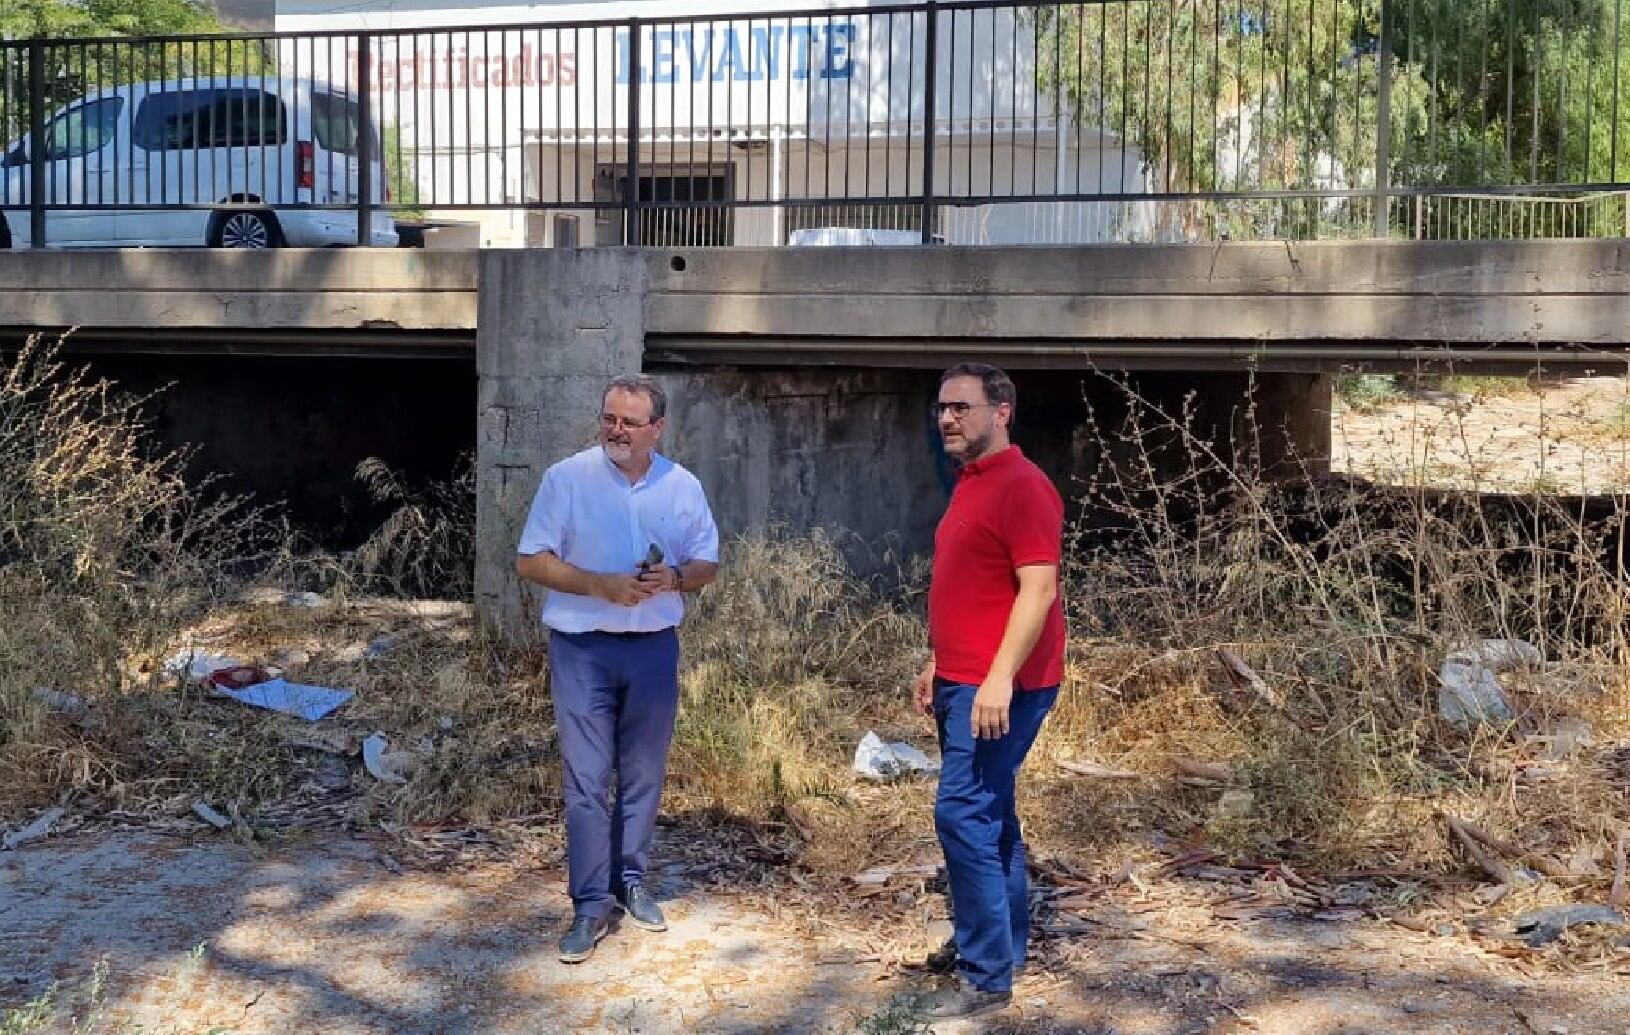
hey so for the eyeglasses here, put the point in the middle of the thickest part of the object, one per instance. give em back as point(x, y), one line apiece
point(611, 423)
point(957, 410)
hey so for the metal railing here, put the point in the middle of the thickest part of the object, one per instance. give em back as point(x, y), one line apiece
point(970, 122)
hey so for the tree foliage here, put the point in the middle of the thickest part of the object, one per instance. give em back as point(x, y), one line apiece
point(72, 69)
point(1285, 95)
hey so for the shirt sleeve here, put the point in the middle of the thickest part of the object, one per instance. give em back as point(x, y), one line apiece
point(1033, 525)
point(545, 528)
point(702, 535)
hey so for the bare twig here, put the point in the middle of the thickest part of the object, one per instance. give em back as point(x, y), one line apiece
point(1620, 895)
point(1097, 771)
point(1543, 863)
point(1205, 772)
point(1238, 669)
point(1477, 849)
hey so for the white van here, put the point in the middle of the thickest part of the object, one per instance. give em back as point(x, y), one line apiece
point(259, 144)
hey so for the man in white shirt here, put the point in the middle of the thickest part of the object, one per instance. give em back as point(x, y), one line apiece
point(617, 533)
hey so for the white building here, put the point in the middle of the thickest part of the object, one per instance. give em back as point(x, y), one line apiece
point(489, 104)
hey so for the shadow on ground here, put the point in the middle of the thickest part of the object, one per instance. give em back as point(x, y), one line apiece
point(323, 937)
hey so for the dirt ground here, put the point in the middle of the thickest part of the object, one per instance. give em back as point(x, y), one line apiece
point(202, 934)
point(1570, 436)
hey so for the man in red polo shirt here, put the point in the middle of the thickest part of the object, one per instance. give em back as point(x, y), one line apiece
point(996, 628)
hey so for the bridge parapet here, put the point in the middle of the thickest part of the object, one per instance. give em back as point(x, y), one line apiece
point(1284, 306)
point(188, 293)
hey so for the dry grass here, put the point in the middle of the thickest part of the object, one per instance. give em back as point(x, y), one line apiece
point(104, 552)
point(1342, 597)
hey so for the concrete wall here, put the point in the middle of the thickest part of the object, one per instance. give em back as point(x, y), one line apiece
point(841, 449)
point(1279, 306)
point(554, 327)
point(303, 291)
point(802, 449)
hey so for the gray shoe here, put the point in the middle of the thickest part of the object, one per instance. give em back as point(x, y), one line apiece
point(642, 909)
point(963, 1000)
point(578, 943)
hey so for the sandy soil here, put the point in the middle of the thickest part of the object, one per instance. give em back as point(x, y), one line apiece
point(327, 937)
point(1571, 437)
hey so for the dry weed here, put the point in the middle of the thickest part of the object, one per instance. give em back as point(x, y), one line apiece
point(1340, 597)
point(104, 553)
point(1343, 598)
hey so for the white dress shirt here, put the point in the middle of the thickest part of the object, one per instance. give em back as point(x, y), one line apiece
point(589, 515)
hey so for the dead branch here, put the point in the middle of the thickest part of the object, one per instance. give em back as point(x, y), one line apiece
point(1205, 772)
point(1620, 895)
point(1478, 850)
point(1244, 673)
point(1544, 864)
point(1097, 771)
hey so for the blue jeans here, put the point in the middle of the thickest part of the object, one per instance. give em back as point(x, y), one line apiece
point(979, 830)
point(616, 696)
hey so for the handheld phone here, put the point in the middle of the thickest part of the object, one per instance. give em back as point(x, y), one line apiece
point(653, 557)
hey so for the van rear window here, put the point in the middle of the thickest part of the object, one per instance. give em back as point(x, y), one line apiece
point(334, 122)
point(211, 117)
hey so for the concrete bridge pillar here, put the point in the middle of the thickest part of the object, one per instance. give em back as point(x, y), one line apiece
point(842, 449)
point(554, 326)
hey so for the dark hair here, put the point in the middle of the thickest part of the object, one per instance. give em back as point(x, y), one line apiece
point(994, 380)
point(640, 384)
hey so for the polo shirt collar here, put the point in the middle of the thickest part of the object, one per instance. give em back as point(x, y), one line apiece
point(995, 462)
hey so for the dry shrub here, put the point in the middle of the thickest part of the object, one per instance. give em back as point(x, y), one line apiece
point(425, 547)
point(1344, 597)
point(104, 553)
point(789, 658)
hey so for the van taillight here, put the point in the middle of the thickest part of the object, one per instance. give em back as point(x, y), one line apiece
point(306, 159)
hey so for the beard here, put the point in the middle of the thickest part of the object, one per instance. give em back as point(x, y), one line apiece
point(969, 446)
point(619, 452)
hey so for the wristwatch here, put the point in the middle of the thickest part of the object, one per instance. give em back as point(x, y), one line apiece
point(679, 579)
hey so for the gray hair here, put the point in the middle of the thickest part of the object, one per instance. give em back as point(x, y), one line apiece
point(642, 385)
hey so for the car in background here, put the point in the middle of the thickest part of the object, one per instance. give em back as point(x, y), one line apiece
point(249, 154)
point(849, 236)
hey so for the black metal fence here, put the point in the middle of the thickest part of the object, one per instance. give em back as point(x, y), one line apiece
point(969, 122)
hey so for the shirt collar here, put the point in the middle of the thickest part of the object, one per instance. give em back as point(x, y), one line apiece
point(995, 462)
point(659, 463)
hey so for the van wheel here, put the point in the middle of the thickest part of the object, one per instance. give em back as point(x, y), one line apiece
point(251, 231)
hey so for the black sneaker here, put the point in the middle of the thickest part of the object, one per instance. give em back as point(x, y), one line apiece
point(578, 943)
point(963, 1000)
point(642, 909)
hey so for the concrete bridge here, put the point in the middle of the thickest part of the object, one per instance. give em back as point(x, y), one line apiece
point(1275, 306)
point(800, 377)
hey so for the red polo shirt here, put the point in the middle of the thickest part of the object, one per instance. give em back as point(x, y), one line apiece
point(1004, 514)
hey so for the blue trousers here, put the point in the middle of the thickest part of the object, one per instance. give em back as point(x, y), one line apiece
point(979, 830)
point(616, 696)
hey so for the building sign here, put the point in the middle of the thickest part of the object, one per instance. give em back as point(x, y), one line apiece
point(464, 68)
point(762, 75)
point(744, 55)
